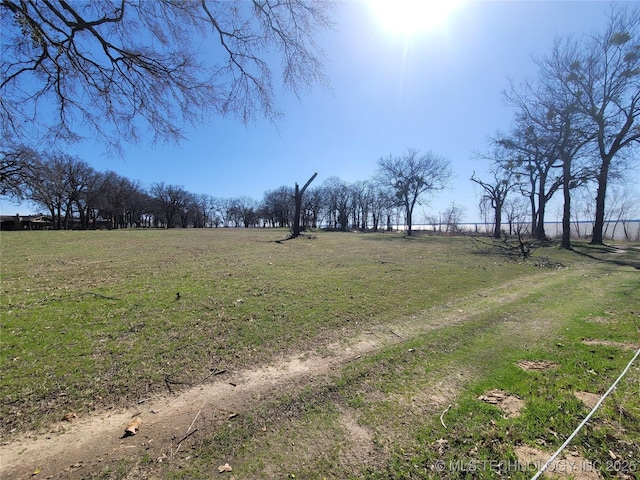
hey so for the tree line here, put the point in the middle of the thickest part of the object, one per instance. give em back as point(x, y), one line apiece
point(75, 195)
point(117, 68)
point(575, 125)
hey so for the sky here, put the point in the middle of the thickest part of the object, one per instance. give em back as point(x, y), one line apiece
point(435, 90)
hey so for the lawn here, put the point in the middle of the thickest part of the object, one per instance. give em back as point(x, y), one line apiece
point(94, 321)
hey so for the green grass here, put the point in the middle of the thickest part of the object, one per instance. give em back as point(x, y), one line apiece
point(90, 320)
point(388, 391)
point(94, 316)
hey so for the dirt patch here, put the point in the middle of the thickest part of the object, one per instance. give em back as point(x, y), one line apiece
point(512, 405)
point(568, 465)
point(360, 449)
point(589, 399)
point(600, 320)
point(609, 343)
point(438, 395)
point(90, 442)
point(536, 365)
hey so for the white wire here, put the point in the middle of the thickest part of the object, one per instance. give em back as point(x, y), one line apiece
point(553, 457)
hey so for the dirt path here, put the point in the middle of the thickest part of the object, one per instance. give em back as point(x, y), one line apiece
point(87, 445)
point(88, 442)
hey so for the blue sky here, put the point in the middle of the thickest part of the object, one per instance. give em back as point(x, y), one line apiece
point(437, 90)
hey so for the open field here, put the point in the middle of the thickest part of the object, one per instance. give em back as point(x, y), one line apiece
point(334, 355)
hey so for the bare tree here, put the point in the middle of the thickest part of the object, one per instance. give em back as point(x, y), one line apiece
point(49, 184)
point(121, 202)
point(337, 196)
point(453, 216)
point(246, 211)
point(278, 206)
point(383, 205)
point(120, 66)
point(411, 176)
point(602, 74)
point(515, 210)
point(81, 181)
point(312, 207)
point(171, 201)
point(535, 165)
point(227, 208)
point(495, 194)
point(14, 170)
point(558, 131)
point(201, 216)
point(623, 205)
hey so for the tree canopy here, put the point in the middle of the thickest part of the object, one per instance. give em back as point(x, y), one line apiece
point(576, 122)
point(126, 68)
point(412, 175)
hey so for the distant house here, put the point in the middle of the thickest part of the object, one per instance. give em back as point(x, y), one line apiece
point(28, 222)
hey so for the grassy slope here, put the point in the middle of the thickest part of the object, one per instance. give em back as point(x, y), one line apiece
point(398, 394)
point(90, 319)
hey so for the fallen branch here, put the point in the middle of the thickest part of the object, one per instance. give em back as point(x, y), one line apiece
point(187, 435)
point(168, 382)
point(98, 295)
point(515, 247)
point(442, 416)
point(213, 373)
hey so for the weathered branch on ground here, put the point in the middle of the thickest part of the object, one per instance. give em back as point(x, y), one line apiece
point(442, 416)
point(514, 247)
point(186, 436)
point(168, 382)
point(213, 373)
point(189, 432)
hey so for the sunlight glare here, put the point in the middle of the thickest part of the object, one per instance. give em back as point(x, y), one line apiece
point(408, 17)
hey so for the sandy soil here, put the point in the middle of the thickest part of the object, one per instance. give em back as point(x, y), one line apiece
point(511, 405)
point(86, 443)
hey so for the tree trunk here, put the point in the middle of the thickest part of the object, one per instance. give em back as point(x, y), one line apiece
point(84, 224)
point(297, 197)
point(497, 228)
point(598, 228)
point(298, 202)
point(539, 232)
point(566, 210)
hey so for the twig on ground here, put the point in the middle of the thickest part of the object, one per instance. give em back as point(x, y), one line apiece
point(98, 295)
point(213, 373)
point(442, 416)
point(397, 335)
point(187, 434)
point(168, 382)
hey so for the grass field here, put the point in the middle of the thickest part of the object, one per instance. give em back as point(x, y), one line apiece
point(92, 321)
